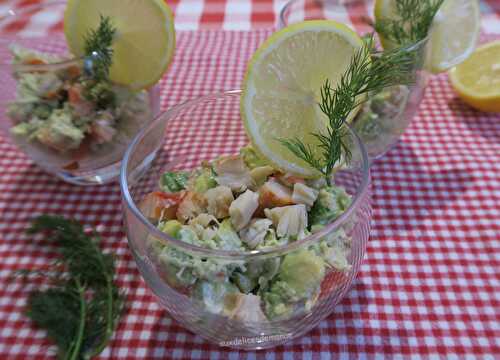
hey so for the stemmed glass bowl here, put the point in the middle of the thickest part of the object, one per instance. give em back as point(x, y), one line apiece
point(215, 121)
point(93, 161)
point(386, 115)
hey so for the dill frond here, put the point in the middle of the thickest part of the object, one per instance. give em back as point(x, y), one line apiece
point(98, 48)
point(366, 73)
point(80, 311)
point(412, 23)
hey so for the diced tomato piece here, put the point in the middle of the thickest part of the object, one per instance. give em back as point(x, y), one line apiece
point(35, 62)
point(74, 94)
point(71, 166)
point(52, 95)
point(160, 206)
point(73, 71)
point(177, 197)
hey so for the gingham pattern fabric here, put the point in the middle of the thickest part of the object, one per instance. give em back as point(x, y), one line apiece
point(429, 285)
point(222, 14)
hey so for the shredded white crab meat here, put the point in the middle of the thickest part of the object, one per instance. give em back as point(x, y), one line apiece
point(218, 201)
point(303, 194)
point(201, 222)
point(255, 232)
point(198, 229)
point(191, 206)
point(274, 194)
point(242, 209)
point(288, 220)
point(233, 173)
point(318, 183)
point(208, 234)
point(288, 179)
point(103, 130)
point(336, 257)
point(204, 220)
point(244, 307)
point(260, 174)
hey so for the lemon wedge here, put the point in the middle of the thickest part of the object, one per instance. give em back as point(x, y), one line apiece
point(477, 79)
point(281, 89)
point(144, 43)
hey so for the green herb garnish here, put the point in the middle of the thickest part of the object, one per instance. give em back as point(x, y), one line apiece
point(412, 23)
point(365, 74)
point(98, 48)
point(173, 181)
point(99, 93)
point(81, 310)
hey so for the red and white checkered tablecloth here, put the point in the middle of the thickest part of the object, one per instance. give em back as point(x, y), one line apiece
point(429, 286)
point(221, 14)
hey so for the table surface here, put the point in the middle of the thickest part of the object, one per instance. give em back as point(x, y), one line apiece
point(429, 285)
point(219, 14)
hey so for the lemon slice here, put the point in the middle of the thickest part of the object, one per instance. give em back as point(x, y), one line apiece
point(144, 42)
point(282, 85)
point(477, 79)
point(385, 9)
point(453, 35)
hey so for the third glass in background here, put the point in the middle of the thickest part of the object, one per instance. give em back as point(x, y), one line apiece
point(57, 112)
point(386, 115)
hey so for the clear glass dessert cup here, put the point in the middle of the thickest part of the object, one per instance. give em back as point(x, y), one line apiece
point(215, 322)
point(387, 114)
point(93, 160)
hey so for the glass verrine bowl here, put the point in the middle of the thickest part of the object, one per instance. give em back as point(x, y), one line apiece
point(385, 116)
point(183, 289)
point(55, 110)
point(344, 11)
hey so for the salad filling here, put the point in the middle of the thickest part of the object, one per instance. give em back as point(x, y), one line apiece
point(68, 118)
point(380, 119)
point(242, 203)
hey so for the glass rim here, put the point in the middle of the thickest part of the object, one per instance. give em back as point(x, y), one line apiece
point(282, 23)
point(362, 190)
point(281, 18)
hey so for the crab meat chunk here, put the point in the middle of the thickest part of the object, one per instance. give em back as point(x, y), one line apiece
point(255, 232)
point(191, 206)
point(303, 194)
point(288, 220)
point(242, 209)
point(218, 201)
point(273, 194)
point(244, 307)
point(233, 173)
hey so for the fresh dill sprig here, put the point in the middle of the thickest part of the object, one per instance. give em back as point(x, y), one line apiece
point(81, 310)
point(366, 73)
point(412, 23)
point(98, 48)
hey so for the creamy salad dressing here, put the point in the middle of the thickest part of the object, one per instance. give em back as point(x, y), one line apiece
point(381, 119)
point(243, 203)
